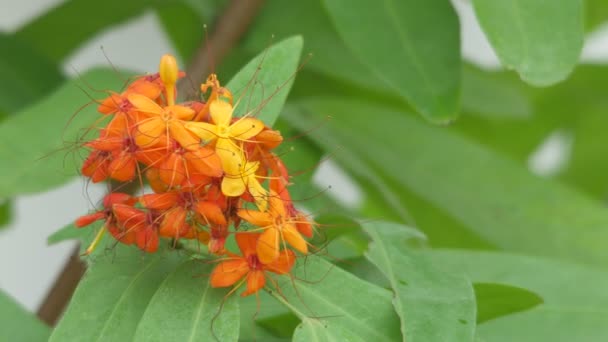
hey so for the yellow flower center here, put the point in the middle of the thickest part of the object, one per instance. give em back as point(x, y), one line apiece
point(223, 131)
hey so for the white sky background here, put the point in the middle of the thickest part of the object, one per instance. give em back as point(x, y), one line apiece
point(29, 267)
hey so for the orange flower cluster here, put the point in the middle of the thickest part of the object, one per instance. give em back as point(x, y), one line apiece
point(209, 172)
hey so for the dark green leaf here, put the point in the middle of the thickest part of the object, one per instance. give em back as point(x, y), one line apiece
point(18, 324)
point(337, 305)
point(496, 300)
point(26, 75)
point(113, 295)
point(6, 212)
point(420, 61)
point(53, 129)
point(261, 87)
point(184, 21)
point(58, 32)
point(596, 13)
point(433, 305)
point(282, 19)
point(186, 308)
point(541, 40)
point(513, 209)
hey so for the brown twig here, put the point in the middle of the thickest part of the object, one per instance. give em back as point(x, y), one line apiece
point(230, 26)
point(62, 289)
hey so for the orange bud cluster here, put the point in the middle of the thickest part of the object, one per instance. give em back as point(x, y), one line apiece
point(209, 172)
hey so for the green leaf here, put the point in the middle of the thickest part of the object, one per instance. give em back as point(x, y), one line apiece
point(53, 129)
point(420, 61)
point(257, 313)
point(186, 308)
point(487, 94)
point(281, 325)
point(26, 75)
point(335, 304)
point(113, 295)
point(60, 31)
point(496, 300)
point(433, 305)
point(283, 19)
point(261, 87)
point(596, 14)
point(541, 40)
point(6, 212)
point(18, 324)
point(576, 314)
point(184, 22)
point(513, 210)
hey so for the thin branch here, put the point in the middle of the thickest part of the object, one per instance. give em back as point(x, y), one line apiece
point(230, 27)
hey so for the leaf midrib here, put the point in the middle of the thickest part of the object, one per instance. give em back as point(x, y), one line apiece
point(347, 314)
point(198, 314)
point(123, 296)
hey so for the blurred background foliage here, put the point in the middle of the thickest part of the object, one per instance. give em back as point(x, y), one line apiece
point(432, 141)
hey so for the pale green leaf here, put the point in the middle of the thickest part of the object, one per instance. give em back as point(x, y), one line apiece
point(512, 209)
point(186, 308)
point(18, 324)
point(113, 295)
point(433, 305)
point(574, 296)
point(333, 303)
point(394, 39)
point(540, 39)
point(54, 129)
point(261, 87)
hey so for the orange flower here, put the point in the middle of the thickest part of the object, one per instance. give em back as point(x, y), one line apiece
point(249, 266)
point(167, 121)
point(278, 226)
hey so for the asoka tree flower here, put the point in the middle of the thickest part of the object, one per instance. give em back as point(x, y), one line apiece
point(229, 135)
point(240, 176)
point(107, 215)
point(277, 227)
point(161, 122)
point(247, 267)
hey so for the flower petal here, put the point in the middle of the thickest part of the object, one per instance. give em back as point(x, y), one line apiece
point(246, 128)
point(247, 243)
point(162, 201)
point(255, 282)
point(183, 136)
point(257, 191)
point(210, 212)
point(204, 130)
point(284, 262)
point(228, 272)
point(233, 187)
point(180, 112)
point(293, 237)
point(221, 112)
point(256, 218)
point(206, 161)
point(231, 156)
point(268, 246)
point(144, 104)
point(148, 131)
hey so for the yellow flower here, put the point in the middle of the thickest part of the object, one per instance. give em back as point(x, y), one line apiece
point(239, 176)
point(229, 135)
